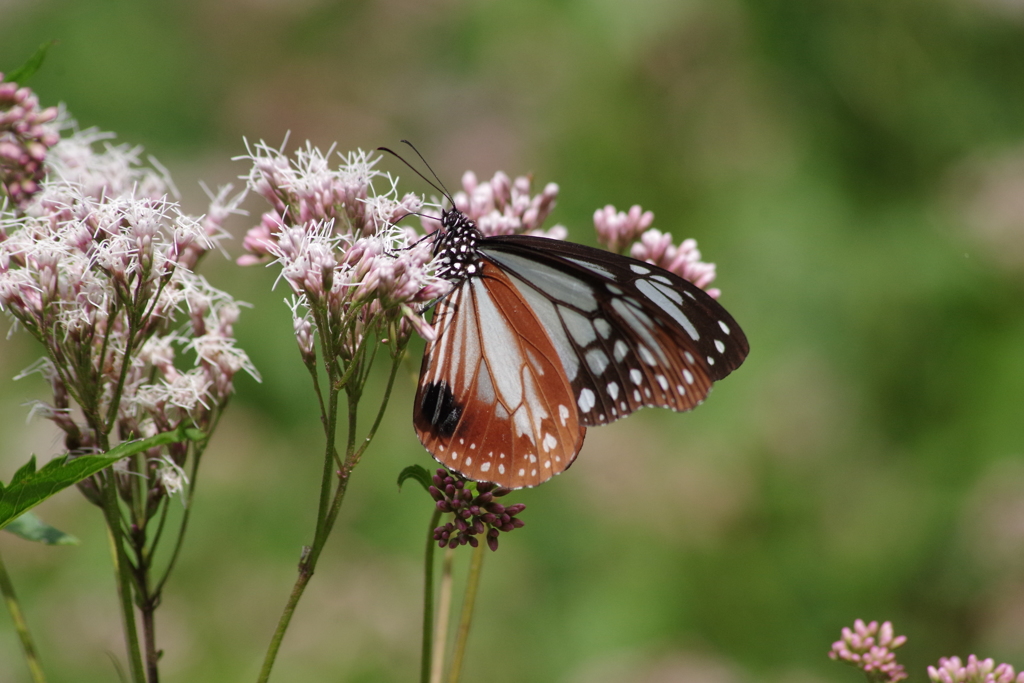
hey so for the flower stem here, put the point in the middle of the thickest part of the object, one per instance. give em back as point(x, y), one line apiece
point(310, 554)
point(443, 613)
point(328, 509)
point(465, 621)
point(428, 597)
point(305, 573)
point(31, 658)
point(197, 454)
point(123, 572)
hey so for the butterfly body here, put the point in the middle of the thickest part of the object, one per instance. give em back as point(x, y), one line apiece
point(540, 339)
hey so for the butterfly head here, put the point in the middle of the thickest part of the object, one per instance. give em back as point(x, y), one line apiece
point(456, 246)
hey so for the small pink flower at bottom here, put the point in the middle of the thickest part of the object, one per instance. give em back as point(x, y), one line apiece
point(869, 647)
point(952, 670)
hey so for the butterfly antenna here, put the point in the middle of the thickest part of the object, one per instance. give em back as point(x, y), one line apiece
point(442, 189)
point(431, 171)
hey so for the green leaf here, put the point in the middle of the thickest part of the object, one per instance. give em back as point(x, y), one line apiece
point(31, 528)
point(415, 472)
point(25, 71)
point(29, 488)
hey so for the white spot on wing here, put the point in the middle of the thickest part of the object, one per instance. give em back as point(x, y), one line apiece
point(549, 442)
point(725, 328)
point(639, 322)
point(586, 400)
point(501, 343)
point(563, 414)
point(613, 390)
point(578, 325)
point(484, 388)
point(485, 467)
point(670, 292)
point(661, 301)
point(636, 376)
point(547, 279)
point(620, 350)
point(603, 327)
point(720, 345)
point(646, 355)
point(597, 361)
point(593, 267)
point(501, 469)
point(548, 316)
point(663, 382)
point(638, 269)
point(688, 376)
point(521, 419)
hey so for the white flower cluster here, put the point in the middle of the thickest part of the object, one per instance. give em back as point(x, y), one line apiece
point(98, 266)
point(334, 236)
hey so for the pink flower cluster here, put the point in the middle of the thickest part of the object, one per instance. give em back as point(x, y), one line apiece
point(617, 230)
point(337, 244)
point(869, 647)
point(26, 134)
point(502, 206)
point(99, 268)
point(952, 670)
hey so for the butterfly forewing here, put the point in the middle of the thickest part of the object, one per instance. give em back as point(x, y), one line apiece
point(494, 402)
point(628, 334)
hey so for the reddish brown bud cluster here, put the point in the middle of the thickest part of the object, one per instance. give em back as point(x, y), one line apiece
point(27, 132)
point(474, 514)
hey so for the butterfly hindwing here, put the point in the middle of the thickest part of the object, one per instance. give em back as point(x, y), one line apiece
point(493, 402)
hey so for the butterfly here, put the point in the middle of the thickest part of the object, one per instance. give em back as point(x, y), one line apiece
point(540, 338)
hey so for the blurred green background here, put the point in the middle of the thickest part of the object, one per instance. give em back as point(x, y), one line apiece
point(855, 168)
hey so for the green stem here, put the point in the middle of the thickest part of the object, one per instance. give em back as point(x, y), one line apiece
point(305, 573)
point(396, 363)
point(428, 597)
point(123, 572)
point(327, 478)
point(443, 614)
point(326, 511)
point(196, 455)
point(31, 658)
point(329, 507)
point(466, 620)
